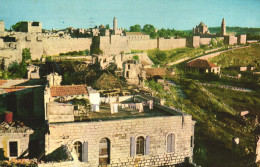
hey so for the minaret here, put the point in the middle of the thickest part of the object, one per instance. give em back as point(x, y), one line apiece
point(223, 27)
point(115, 24)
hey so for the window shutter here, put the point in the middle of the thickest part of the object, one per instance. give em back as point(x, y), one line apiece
point(85, 152)
point(173, 142)
point(147, 145)
point(132, 146)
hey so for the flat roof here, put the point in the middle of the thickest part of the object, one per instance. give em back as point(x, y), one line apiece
point(123, 113)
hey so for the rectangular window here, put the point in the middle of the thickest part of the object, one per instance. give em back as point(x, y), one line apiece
point(129, 66)
point(127, 74)
point(13, 149)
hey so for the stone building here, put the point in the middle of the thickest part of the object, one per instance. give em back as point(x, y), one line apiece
point(2, 29)
point(124, 136)
point(14, 140)
point(31, 27)
point(203, 66)
point(133, 72)
point(201, 29)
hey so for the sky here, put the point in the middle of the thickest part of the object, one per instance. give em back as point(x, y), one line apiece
point(177, 14)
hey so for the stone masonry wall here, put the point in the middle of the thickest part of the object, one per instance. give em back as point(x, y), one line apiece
point(143, 44)
point(119, 133)
point(114, 44)
point(205, 41)
point(22, 139)
point(44, 44)
point(167, 44)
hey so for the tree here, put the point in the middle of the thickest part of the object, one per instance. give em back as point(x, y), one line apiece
point(135, 28)
point(17, 26)
point(148, 28)
point(2, 67)
point(107, 26)
point(135, 57)
point(26, 54)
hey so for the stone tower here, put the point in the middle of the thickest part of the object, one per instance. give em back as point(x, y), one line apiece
point(223, 27)
point(114, 24)
point(2, 28)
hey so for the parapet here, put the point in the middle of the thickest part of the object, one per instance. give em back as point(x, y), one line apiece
point(32, 27)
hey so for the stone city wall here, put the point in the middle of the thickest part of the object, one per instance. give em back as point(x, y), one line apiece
point(45, 44)
point(119, 133)
point(143, 44)
point(114, 44)
point(2, 28)
point(241, 39)
point(205, 41)
point(167, 44)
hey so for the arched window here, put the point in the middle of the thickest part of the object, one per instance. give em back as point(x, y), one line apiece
point(104, 151)
point(170, 143)
point(78, 148)
point(140, 145)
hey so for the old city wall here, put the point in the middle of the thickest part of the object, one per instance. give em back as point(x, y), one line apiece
point(56, 45)
point(167, 44)
point(11, 55)
point(142, 44)
point(241, 39)
point(119, 133)
point(114, 44)
point(205, 41)
point(2, 28)
point(44, 44)
point(230, 40)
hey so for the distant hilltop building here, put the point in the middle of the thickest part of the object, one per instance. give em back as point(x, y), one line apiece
point(201, 29)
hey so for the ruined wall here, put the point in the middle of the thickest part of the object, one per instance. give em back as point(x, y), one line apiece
point(114, 44)
point(167, 44)
point(142, 44)
point(119, 133)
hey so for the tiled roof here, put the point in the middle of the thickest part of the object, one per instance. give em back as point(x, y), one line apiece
point(13, 89)
point(68, 90)
point(2, 82)
point(135, 33)
point(200, 63)
point(156, 71)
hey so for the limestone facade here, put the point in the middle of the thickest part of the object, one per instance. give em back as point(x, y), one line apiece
point(121, 134)
point(19, 137)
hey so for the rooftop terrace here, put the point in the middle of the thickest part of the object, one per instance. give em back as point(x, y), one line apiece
point(123, 113)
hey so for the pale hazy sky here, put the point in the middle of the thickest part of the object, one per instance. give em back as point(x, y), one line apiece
point(177, 14)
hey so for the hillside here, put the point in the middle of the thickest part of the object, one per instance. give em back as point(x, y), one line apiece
point(239, 57)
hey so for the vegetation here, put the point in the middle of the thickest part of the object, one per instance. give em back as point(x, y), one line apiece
point(17, 26)
point(217, 122)
point(16, 70)
point(164, 57)
point(75, 53)
point(155, 33)
point(240, 57)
